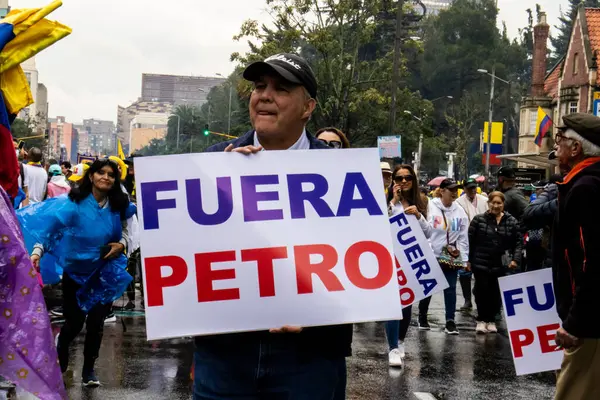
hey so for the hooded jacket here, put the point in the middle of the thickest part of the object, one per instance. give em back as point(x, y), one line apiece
point(489, 240)
point(576, 267)
point(58, 185)
point(454, 227)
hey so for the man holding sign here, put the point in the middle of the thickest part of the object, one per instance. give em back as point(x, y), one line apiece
point(577, 258)
point(262, 251)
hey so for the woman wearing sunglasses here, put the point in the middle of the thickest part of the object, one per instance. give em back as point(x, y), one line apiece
point(405, 192)
point(333, 138)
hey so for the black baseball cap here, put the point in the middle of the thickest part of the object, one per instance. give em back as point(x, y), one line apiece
point(449, 184)
point(507, 172)
point(290, 67)
point(470, 183)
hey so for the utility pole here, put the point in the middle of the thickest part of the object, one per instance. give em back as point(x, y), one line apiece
point(489, 132)
point(229, 116)
point(396, 67)
point(178, 126)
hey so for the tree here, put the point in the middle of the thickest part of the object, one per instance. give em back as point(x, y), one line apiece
point(24, 128)
point(348, 44)
point(463, 119)
point(560, 42)
point(456, 44)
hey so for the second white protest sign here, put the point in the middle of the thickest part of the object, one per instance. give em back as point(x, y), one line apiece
point(419, 273)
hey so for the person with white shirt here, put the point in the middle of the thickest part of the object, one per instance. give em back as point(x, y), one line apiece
point(285, 362)
point(36, 177)
point(473, 204)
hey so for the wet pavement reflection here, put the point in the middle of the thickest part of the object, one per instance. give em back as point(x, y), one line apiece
point(467, 366)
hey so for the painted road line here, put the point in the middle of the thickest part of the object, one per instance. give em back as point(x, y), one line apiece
point(424, 396)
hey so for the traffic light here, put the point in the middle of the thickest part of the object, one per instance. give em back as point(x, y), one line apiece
point(46, 134)
point(206, 131)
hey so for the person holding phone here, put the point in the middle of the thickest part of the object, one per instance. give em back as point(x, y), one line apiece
point(405, 192)
point(85, 235)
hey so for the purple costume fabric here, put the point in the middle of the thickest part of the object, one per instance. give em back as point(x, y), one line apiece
point(27, 352)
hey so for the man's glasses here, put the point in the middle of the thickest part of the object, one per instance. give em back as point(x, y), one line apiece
point(560, 137)
point(407, 178)
point(334, 144)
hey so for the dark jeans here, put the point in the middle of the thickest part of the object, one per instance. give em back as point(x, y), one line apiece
point(396, 330)
point(74, 320)
point(268, 369)
point(449, 297)
point(487, 296)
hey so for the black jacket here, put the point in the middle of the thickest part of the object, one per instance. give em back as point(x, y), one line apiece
point(330, 341)
point(489, 240)
point(576, 250)
point(515, 202)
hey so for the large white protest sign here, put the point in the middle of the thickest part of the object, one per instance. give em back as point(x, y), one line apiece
point(234, 243)
point(531, 320)
point(418, 271)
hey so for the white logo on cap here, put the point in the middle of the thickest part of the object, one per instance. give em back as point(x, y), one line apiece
point(281, 57)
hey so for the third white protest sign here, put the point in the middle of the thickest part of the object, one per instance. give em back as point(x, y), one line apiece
point(531, 320)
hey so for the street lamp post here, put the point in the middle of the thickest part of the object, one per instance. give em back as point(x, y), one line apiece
point(420, 151)
point(490, 119)
point(229, 109)
point(178, 126)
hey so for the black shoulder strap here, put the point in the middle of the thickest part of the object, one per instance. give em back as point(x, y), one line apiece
point(22, 169)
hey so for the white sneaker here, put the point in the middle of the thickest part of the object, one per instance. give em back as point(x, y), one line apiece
point(401, 350)
point(111, 318)
point(394, 358)
point(481, 327)
point(491, 327)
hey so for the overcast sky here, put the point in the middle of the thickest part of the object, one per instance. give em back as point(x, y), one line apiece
point(100, 65)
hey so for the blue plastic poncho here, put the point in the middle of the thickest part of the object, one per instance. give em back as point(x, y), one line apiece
point(72, 235)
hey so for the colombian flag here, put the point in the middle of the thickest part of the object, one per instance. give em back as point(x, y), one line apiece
point(542, 127)
point(23, 34)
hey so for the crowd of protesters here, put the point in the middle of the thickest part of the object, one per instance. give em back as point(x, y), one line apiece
point(480, 235)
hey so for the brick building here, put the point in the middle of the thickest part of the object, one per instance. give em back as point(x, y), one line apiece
point(567, 87)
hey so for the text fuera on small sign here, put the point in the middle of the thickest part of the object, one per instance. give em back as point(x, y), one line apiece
point(234, 243)
point(532, 321)
point(418, 271)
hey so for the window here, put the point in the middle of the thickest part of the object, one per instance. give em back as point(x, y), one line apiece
point(575, 63)
point(573, 107)
point(532, 121)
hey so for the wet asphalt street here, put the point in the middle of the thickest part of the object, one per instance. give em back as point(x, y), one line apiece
point(437, 366)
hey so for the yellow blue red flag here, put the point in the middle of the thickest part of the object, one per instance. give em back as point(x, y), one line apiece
point(23, 34)
point(542, 127)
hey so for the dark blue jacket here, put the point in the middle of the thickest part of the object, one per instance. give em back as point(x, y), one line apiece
point(540, 213)
point(248, 140)
point(329, 341)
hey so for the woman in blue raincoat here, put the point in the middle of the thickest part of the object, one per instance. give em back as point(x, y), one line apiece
point(85, 235)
